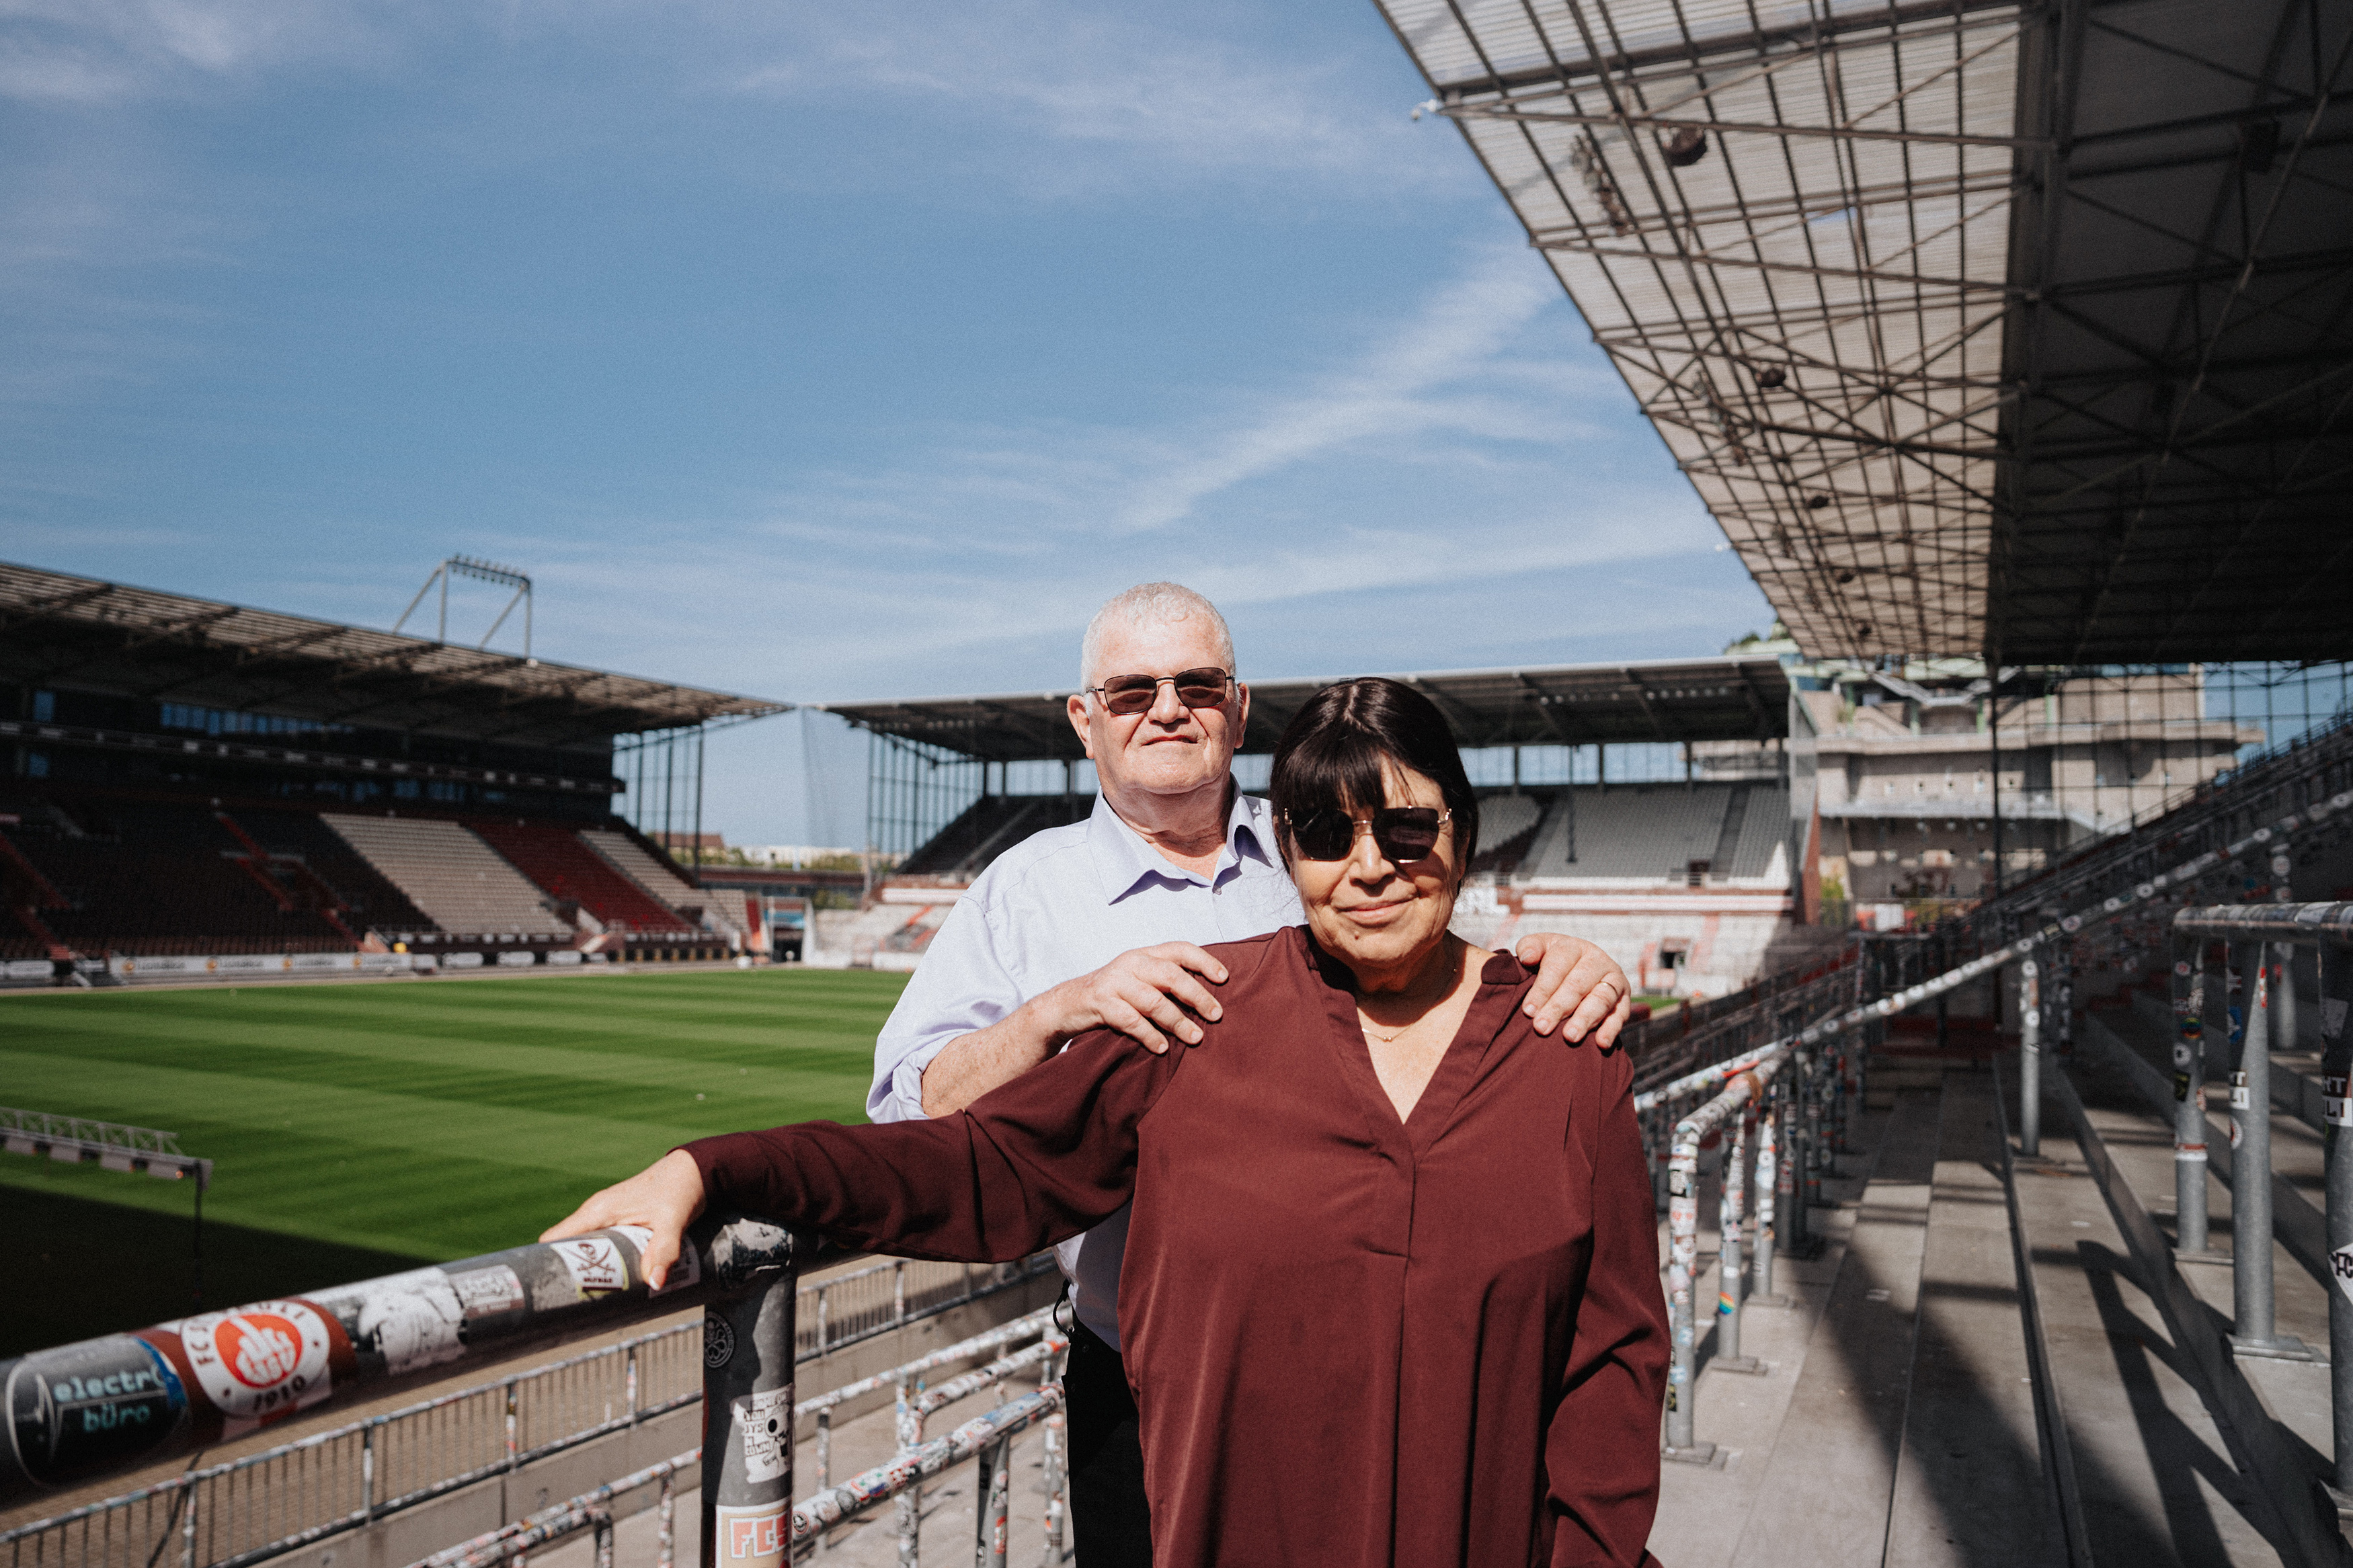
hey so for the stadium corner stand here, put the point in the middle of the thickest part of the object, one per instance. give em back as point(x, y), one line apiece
point(201, 787)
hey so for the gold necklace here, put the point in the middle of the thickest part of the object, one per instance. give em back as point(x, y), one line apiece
point(1395, 1035)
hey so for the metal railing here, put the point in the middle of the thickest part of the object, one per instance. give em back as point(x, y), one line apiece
point(241, 1511)
point(2255, 939)
point(1793, 1095)
point(74, 1139)
point(985, 1438)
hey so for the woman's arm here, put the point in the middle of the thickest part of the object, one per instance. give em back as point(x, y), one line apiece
point(1035, 1162)
point(1601, 1455)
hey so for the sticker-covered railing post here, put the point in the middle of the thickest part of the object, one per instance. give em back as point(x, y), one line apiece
point(2251, 1164)
point(1731, 1259)
point(1768, 1176)
point(2336, 1110)
point(2189, 1096)
point(748, 1334)
point(2029, 1058)
point(2286, 1030)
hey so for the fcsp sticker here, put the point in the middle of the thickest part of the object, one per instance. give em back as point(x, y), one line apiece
point(752, 1537)
point(2340, 1264)
point(259, 1360)
point(718, 1341)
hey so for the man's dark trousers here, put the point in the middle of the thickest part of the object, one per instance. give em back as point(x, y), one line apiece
point(1113, 1522)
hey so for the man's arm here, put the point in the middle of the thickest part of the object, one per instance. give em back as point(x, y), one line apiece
point(1144, 994)
point(1579, 982)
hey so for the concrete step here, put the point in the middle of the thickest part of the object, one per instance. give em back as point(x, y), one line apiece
point(1893, 1422)
point(2165, 1473)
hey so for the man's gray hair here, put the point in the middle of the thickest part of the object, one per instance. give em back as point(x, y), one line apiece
point(1146, 605)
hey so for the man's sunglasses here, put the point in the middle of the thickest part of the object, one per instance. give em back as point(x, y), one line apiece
point(1127, 694)
point(1404, 832)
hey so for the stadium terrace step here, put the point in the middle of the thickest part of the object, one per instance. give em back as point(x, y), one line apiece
point(570, 871)
point(2166, 1474)
point(1893, 1422)
point(451, 874)
point(655, 877)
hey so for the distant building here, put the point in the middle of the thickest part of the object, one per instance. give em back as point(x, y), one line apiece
point(1918, 769)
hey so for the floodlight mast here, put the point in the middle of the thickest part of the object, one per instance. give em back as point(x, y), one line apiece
point(481, 571)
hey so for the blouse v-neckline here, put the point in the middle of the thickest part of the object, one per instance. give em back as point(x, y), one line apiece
point(1448, 1081)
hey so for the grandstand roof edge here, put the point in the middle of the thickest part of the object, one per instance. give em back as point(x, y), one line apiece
point(1718, 697)
point(190, 639)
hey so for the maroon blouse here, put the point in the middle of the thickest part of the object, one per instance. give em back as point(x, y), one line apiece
point(1352, 1341)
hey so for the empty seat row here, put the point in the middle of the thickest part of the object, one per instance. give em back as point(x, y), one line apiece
point(459, 881)
point(572, 872)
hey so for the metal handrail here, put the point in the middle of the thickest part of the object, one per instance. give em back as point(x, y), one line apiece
point(1745, 1078)
point(823, 1334)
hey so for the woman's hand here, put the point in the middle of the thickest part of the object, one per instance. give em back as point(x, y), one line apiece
point(665, 1197)
point(1572, 973)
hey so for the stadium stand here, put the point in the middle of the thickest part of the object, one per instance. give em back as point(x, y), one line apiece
point(355, 889)
point(143, 879)
point(992, 824)
point(456, 879)
point(1650, 834)
point(572, 872)
point(1507, 828)
point(655, 875)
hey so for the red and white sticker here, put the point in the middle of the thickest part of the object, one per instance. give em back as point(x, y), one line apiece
point(595, 1263)
point(259, 1360)
point(754, 1537)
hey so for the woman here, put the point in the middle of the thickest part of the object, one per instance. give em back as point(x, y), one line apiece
point(1391, 1290)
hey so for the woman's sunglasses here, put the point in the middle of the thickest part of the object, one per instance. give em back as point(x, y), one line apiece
point(1403, 833)
point(1128, 695)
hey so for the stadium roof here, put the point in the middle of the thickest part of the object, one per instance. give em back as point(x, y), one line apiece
point(1727, 699)
point(82, 633)
point(1981, 327)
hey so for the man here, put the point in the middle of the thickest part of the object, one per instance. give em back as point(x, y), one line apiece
point(1101, 924)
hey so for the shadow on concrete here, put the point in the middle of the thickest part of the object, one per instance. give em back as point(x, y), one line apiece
point(2176, 1453)
point(81, 1268)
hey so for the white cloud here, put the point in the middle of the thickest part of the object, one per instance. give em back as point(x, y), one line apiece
point(100, 51)
point(1086, 73)
point(1471, 444)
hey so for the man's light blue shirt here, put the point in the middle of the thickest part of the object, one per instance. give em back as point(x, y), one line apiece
point(1063, 903)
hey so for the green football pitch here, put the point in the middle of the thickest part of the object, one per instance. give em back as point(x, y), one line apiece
point(358, 1128)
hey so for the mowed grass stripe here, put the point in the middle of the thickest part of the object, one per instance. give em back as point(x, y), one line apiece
point(467, 1067)
point(429, 1118)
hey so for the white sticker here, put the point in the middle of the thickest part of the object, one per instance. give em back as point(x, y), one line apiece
point(2341, 1263)
point(687, 1270)
point(595, 1264)
point(764, 1420)
point(486, 1292)
point(2331, 1017)
point(2235, 1134)
point(411, 1319)
point(263, 1360)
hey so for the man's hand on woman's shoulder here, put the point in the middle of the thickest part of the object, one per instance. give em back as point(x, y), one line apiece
point(1151, 995)
point(1144, 993)
point(1578, 982)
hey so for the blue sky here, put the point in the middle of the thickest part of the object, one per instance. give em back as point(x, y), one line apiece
point(812, 352)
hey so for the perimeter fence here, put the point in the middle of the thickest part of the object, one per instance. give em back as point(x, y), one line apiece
point(241, 1511)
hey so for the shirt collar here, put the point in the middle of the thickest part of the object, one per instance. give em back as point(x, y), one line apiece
point(1125, 862)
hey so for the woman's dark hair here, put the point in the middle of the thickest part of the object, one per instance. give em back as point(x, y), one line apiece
point(1331, 755)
